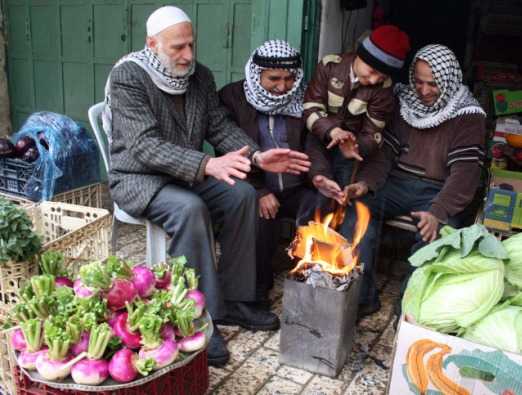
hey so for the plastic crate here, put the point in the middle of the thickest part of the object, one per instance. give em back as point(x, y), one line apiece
point(14, 174)
point(191, 379)
point(89, 195)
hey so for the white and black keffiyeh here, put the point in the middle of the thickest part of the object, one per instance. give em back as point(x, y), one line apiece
point(274, 54)
point(159, 74)
point(455, 98)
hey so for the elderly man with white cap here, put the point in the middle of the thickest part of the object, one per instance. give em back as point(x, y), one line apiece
point(160, 107)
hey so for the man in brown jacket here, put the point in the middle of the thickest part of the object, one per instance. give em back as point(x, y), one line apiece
point(431, 162)
point(348, 103)
point(268, 106)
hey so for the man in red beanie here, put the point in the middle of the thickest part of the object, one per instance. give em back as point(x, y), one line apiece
point(347, 104)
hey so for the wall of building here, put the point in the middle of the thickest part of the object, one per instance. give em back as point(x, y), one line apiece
point(5, 119)
point(341, 29)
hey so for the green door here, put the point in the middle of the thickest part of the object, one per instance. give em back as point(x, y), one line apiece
point(60, 52)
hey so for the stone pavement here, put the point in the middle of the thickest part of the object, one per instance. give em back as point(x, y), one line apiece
point(254, 366)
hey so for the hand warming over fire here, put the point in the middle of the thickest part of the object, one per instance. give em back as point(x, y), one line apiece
point(282, 160)
point(355, 191)
point(428, 225)
point(329, 188)
point(350, 149)
point(268, 206)
point(234, 164)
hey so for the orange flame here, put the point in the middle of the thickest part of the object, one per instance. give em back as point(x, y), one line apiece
point(319, 244)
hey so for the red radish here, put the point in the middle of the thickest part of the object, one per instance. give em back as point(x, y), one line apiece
point(27, 360)
point(18, 340)
point(82, 345)
point(121, 292)
point(128, 338)
point(168, 332)
point(82, 291)
point(192, 343)
point(124, 366)
point(163, 276)
point(194, 294)
point(94, 370)
point(54, 370)
point(163, 355)
point(64, 282)
point(143, 280)
point(90, 371)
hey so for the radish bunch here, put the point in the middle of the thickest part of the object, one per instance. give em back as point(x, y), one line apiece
point(113, 320)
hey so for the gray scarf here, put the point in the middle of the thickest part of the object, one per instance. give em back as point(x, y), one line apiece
point(455, 98)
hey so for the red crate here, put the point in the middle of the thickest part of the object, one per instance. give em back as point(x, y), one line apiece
point(191, 379)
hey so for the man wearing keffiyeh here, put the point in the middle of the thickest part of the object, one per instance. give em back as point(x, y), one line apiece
point(431, 163)
point(268, 106)
point(160, 107)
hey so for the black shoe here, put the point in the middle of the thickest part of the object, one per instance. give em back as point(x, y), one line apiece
point(249, 316)
point(217, 352)
point(368, 309)
point(263, 304)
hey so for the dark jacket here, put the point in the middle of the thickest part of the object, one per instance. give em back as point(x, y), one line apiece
point(241, 112)
point(332, 101)
point(450, 154)
point(153, 145)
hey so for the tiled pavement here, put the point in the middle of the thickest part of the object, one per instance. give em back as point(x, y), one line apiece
point(254, 367)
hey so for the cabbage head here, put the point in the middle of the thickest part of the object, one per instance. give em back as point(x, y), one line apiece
point(513, 246)
point(502, 328)
point(452, 294)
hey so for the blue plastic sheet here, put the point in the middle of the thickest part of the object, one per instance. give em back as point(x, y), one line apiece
point(71, 160)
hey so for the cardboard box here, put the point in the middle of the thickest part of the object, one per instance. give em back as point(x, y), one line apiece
point(473, 368)
point(507, 125)
point(503, 210)
point(507, 101)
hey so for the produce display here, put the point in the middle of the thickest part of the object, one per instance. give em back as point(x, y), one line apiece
point(113, 321)
point(18, 242)
point(469, 284)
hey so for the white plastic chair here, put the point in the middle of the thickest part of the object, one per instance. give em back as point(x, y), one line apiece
point(156, 236)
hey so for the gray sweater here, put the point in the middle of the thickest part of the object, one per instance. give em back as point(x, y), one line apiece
point(152, 145)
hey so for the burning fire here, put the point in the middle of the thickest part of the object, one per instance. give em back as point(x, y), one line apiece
point(319, 244)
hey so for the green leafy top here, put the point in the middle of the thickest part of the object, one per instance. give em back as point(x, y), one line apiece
point(463, 240)
point(18, 242)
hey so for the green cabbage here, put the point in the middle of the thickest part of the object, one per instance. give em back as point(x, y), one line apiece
point(502, 328)
point(513, 246)
point(451, 294)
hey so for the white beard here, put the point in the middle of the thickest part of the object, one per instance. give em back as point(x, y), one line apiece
point(171, 65)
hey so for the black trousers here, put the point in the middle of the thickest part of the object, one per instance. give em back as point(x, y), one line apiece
point(298, 203)
point(189, 215)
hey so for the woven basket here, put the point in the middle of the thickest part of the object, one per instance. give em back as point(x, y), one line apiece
point(7, 363)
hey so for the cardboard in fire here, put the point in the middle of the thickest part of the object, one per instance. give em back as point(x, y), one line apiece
point(428, 362)
point(318, 326)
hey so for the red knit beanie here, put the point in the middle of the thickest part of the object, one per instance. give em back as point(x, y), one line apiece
point(385, 49)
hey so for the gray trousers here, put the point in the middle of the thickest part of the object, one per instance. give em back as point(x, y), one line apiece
point(191, 214)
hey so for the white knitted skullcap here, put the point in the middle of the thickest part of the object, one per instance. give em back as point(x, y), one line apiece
point(165, 17)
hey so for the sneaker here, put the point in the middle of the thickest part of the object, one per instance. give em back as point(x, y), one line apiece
point(249, 316)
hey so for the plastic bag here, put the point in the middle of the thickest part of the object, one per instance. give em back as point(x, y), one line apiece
point(68, 156)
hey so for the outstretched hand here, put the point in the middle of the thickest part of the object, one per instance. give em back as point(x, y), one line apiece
point(282, 160)
point(355, 191)
point(329, 188)
point(234, 164)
